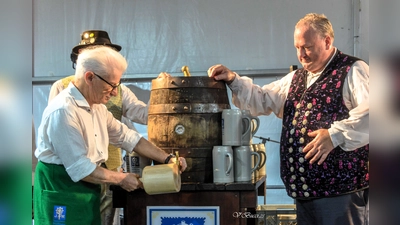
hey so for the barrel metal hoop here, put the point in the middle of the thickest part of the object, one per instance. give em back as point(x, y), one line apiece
point(186, 82)
point(187, 108)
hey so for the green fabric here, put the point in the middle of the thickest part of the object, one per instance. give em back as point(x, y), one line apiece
point(54, 190)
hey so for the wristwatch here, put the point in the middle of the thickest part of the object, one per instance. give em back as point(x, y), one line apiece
point(168, 158)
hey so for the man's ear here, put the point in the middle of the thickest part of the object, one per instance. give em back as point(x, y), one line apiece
point(328, 42)
point(89, 77)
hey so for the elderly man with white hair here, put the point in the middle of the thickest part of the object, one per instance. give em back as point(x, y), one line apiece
point(73, 138)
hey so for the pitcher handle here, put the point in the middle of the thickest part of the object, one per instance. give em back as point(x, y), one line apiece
point(248, 130)
point(257, 163)
point(230, 163)
point(258, 125)
point(262, 163)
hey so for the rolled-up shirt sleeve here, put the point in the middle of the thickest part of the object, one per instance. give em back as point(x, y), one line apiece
point(70, 147)
point(77, 136)
point(120, 135)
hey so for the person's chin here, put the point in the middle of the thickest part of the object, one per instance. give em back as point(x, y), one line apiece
point(306, 65)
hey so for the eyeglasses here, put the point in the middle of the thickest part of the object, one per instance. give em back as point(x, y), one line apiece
point(113, 86)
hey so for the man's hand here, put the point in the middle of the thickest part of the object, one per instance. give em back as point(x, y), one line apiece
point(131, 182)
point(319, 148)
point(182, 163)
point(220, 72)
point(164, 75)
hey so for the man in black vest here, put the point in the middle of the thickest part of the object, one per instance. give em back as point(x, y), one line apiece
point(324, 108)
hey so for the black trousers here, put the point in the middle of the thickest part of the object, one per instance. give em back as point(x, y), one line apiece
point(348, 209)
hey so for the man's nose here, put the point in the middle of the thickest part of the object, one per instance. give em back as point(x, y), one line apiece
point(302, 52)
point(114, 92)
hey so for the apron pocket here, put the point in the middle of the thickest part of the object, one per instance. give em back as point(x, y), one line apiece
point(63, 207)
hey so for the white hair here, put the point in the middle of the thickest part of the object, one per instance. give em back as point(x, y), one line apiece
point(100, 59)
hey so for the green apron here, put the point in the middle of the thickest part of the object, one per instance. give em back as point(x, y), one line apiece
point(58, 200)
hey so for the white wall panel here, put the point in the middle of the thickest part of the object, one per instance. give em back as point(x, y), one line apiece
point(165, 35)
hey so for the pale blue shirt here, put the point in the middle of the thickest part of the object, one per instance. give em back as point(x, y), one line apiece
point(77, 136)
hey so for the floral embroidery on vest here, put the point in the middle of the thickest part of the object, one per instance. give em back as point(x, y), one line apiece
point(313, 108)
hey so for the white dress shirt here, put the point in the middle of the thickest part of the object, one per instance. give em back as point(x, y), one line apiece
point(77, 136)
point(349, 134)
point(132, 108)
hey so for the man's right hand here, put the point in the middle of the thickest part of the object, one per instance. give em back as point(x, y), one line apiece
point(131, 182)
point(220, 72)
point(164, 75)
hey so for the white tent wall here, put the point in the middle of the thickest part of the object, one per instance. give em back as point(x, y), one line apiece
point(164, 35)
point(161, 36)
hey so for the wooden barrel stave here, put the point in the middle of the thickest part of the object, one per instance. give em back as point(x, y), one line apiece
point(185, 115)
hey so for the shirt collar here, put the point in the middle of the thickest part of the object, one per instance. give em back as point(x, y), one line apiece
point(79, 99)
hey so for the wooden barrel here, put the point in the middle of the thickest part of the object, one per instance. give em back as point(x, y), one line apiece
point(185, 115)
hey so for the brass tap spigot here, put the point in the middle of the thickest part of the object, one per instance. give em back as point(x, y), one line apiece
point(185, 70)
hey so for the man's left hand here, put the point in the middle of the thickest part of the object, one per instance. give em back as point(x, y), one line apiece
point(182, 163)
point(319, 148)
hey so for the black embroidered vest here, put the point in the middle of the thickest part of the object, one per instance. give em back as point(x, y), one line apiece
point(313, 108)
